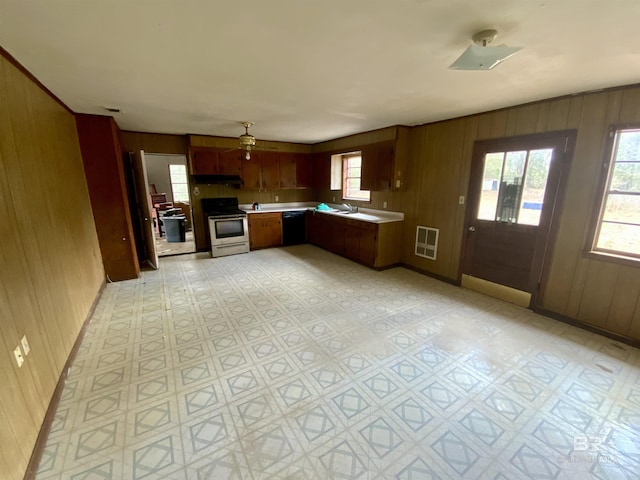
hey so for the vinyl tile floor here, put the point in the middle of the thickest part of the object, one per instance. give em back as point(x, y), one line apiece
point(296, 363)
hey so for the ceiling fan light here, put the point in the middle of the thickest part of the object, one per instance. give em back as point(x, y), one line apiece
point(247, 155)
point(477, 57)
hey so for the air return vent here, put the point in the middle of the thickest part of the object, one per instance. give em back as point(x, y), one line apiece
point(427, 242)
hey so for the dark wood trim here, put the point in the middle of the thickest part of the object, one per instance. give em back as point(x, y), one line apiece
point(590, 328)
point(448, 280)
point(41, 441)
point(11, 59)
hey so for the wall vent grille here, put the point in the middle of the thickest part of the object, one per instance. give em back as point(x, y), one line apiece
point(427, 242)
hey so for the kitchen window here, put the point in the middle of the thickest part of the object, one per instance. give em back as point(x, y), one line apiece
point(617, 229)
point(351, 175)
point(179, 185)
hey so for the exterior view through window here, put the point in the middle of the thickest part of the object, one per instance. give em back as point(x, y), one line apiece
point(513, 186)
point(179, 185)
point(618, 228)
point(351, 172)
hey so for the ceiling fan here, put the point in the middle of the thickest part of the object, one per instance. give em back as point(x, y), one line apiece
point(248, 142)
point(480, 56)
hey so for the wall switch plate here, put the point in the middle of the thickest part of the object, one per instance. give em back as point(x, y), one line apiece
point(18, 354)
point(461, 200)
point(384, 204)
point(277, 198)
point(397, 183)
point(334, 199)
point(25, 345)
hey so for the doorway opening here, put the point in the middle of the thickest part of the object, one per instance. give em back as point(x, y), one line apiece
point(170, 203)
point(515, 195)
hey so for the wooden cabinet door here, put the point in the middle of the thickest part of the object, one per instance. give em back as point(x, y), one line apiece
point(377, 166)
point(321, 171)
point(204, 162)
point(231, 162)
point(352, 241)
point(273, 229)
point(251, 173)
point(304, 173)
point(336, 240)
point(369, 167)
point(265, 230)
point(287, 164)
point(368, 244)
point(384, 167)
point(270, 170)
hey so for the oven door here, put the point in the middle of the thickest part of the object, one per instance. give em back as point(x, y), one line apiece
point(228, 230)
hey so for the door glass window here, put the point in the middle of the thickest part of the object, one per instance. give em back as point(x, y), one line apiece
point(513, 186)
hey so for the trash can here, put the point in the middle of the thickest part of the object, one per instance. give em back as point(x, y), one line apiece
point(174, 228)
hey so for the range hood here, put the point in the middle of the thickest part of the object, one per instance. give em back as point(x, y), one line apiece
point(218, 179)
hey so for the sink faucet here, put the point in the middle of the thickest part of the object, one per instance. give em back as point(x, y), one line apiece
point(351, 208)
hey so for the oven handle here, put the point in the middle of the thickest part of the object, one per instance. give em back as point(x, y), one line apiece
point(239, 217)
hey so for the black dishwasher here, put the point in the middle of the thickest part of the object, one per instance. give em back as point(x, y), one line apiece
point(293, 227)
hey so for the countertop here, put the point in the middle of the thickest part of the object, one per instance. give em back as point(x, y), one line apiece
point(365, 214)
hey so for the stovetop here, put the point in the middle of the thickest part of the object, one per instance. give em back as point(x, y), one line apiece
point(221, 207)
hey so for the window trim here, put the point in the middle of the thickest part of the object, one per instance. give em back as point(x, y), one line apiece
point(345, 158)
point(606, 167)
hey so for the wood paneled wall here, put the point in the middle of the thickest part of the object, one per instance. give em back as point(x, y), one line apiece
point(50, 266)
point(153, 142)
point(594, 291)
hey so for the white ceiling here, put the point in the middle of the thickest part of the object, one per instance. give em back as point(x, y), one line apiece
point(312, 70)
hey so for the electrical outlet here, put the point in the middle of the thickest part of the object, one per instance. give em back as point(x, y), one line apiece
point(334, 199)
point(25, 345)
point(384, 204)
point(461, 200)
point(398, 183)
point(18, 354)
point(277, 198)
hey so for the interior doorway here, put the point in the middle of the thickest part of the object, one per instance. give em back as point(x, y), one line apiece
point(514, 201)
point(171, 203)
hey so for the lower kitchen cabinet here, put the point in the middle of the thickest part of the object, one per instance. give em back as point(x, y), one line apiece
point(265, 230)
point(372, 244)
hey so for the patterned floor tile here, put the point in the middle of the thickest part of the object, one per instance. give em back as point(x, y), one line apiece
point(296, 363)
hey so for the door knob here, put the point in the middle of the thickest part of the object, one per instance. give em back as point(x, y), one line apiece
point(472, 228)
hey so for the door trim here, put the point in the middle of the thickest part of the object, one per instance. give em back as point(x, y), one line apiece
point(544, 246)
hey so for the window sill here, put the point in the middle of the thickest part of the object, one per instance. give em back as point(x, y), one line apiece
point(613, 258)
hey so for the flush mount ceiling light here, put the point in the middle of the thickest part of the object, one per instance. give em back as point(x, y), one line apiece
point(247, 141)
point(482, 57)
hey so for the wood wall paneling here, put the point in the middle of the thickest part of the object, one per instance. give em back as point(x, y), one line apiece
point(623, 301)
point(153, 142)
point(587, 290)
point(51, 269)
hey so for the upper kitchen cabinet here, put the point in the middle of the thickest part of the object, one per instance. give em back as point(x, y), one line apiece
point(231, 162)
point(251, 178)
point(262, 171)
point(204, 161)
point(295, 170)
point(321, 170)
point(270, 167)
point(377, 166)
